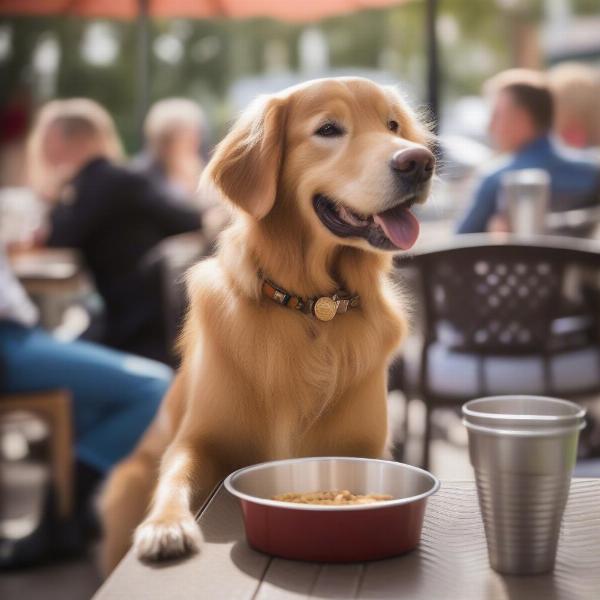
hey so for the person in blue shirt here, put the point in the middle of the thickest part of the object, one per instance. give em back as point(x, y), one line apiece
point(520, 126)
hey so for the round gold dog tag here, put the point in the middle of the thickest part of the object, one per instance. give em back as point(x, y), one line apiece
point(325, 309)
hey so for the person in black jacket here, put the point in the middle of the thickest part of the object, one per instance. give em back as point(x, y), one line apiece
point(114, 217)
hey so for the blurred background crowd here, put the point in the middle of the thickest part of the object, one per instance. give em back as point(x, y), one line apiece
point(108, 114)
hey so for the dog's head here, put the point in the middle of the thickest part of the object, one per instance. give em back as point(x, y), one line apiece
point(347, 155)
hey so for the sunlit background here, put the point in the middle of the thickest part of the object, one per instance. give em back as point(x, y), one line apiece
point(223, 63)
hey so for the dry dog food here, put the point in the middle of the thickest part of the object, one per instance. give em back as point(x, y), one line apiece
point(334, 497)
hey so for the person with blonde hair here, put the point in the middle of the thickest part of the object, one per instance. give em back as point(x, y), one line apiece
point(576, 91)
point(173, 131)
point(520, 127)
point(77, 118)
point(114, 216)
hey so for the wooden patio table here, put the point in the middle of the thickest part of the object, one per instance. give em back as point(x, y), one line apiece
point(450, 563)
point(53, 278)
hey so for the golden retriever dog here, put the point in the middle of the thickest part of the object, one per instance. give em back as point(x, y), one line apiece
point(292, 323)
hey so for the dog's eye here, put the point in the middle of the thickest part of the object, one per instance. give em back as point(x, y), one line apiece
point(393, 126)
point(329, 130)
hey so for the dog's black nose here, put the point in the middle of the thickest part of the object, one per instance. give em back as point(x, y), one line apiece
point(414, 164)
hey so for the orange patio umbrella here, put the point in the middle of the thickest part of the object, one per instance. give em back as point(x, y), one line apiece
point(285, 10)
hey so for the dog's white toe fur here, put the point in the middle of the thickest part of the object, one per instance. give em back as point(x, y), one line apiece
point(161, 540)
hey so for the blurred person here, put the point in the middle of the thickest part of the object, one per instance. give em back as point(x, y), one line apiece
point(114, 398)
point(173, 139)
point(172, 159)
point(47, 176)
point(576, 91)
point(113, 216)
point(520, 126)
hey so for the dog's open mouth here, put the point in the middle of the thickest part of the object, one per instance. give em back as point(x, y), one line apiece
point(393, 229)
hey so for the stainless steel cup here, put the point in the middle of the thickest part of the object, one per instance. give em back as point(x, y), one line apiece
point(523, 450)
point(524, 196)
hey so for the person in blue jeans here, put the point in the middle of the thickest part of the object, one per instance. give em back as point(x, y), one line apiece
point(114, 395)
point(520, 126)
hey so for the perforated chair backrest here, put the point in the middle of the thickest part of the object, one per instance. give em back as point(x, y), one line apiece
point(497, 298)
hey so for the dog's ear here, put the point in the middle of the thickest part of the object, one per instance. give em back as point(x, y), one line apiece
point(246, 164)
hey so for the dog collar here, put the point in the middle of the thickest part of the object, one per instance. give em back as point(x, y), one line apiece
point(323, 308)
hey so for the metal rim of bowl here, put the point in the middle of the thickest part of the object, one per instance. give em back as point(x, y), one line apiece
point(230, 485)
point(500, 417)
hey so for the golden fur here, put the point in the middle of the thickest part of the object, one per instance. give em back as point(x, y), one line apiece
point(259, 381)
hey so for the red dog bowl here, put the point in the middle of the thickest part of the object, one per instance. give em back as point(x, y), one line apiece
point(328, 533)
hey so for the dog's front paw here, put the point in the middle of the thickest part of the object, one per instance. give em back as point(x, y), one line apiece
point(161, 539)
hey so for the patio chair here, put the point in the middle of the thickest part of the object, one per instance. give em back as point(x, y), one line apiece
point(36, 479)
point(577, 222)
point(53, 407)
point(504, 316)
point(170, 260)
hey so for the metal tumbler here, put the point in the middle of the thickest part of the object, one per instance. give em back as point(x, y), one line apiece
point(524, 196)
point(523, 450)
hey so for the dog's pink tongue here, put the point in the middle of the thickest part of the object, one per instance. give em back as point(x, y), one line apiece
point(400, 226)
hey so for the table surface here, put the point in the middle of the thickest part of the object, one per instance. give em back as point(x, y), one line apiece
point(450, 563)
point(54, 264)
